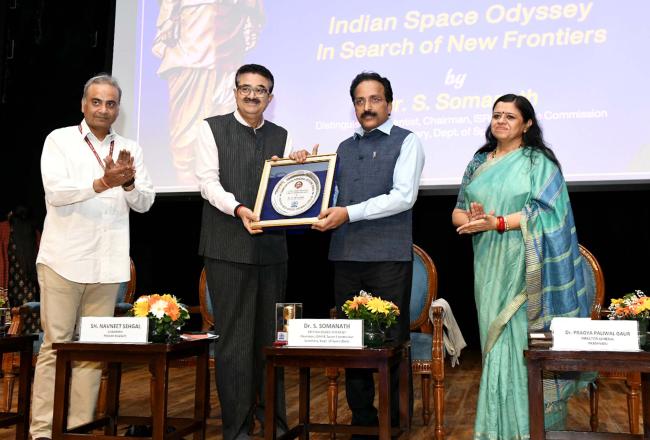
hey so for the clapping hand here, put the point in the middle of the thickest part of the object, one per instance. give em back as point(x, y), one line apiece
point(120, 172)
point(476, 211)
point(125, 158)
point(478, 220)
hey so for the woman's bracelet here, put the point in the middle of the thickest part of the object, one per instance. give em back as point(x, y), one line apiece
point(501, 224)
point(507, 225)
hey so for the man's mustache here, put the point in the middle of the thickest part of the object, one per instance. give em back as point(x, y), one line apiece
point(368, 113)
point(253, 100)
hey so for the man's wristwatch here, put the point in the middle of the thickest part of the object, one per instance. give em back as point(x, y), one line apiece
point(125, 185)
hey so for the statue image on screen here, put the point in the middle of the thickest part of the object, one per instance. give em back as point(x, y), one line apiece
point(201, 43)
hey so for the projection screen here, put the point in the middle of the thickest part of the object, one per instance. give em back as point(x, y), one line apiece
point(583, 65)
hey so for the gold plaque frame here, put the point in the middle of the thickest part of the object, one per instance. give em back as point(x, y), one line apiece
point(329, 165)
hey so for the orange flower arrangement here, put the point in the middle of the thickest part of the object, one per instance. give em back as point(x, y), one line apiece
point(372, 309)
point(632, 306)
point(166, 315)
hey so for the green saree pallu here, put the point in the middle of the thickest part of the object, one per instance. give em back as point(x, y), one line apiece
point(522, 278)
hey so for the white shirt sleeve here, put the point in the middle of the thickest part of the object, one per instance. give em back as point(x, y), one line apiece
point(60, 188)
point(207, 172)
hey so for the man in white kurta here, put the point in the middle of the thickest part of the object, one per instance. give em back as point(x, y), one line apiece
point(92, 178)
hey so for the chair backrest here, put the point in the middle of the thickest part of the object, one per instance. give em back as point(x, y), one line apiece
point(126, 291)
point(205, 302)
point(20, 290)
point(424, 289)
point(594, 280)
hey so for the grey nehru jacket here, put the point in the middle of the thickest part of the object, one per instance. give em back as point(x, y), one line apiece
point(242, 152)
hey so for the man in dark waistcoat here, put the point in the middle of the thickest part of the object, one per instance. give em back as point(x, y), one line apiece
point(378, 175)
point(246, 269)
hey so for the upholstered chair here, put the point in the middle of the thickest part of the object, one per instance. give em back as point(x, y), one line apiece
point(595, 281)
point(427, 355)
point(427, 349)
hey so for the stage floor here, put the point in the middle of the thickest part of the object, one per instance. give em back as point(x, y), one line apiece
point(461, 385)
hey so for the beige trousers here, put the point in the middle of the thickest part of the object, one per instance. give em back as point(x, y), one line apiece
point(63, 302)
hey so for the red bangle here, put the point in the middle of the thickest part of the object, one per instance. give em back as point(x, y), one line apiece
point(501, 225)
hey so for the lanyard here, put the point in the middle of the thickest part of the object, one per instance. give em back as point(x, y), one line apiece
point(90, 144)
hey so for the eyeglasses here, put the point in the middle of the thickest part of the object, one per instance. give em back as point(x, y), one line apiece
point(374, 100)
point(246, 90)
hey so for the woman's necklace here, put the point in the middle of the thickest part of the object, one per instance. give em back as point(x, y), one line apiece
point(493, 153)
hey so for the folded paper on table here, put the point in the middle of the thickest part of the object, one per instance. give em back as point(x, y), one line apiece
point(197, 336)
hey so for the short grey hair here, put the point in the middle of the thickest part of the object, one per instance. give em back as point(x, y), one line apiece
point(103, 78)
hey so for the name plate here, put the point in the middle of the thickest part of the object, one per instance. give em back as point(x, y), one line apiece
point(111, 329)
point(325, 333)
point(584, 334)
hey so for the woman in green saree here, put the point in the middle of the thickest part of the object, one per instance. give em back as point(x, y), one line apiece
point(527, 266)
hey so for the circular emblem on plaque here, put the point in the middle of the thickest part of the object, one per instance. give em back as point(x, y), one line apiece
point(295, 193)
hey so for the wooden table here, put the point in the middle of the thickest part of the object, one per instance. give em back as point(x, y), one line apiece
point(158, 357)
point(25, 346)
point(540, 359)
point(381, 359)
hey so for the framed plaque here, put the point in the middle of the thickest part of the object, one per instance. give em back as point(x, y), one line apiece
point(292, 193)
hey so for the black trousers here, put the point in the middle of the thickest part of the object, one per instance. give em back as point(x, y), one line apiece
point(391, 280)
point(243, 301)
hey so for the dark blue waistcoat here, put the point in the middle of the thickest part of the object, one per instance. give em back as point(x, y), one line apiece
point(365, 170)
